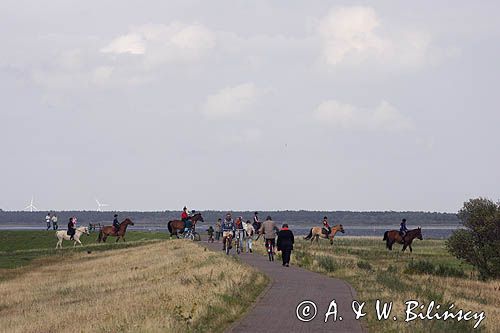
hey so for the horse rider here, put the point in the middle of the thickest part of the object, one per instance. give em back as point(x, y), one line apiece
point(228, 229)
point(256, 223)
point(269, 229)
point(72, 228)
point(326, 227)
point(116, 224)
point(403, 229)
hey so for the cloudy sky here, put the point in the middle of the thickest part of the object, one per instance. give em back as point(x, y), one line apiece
point(320, 105)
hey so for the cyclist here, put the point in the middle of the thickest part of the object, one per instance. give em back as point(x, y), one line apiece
point(228, 229)
point(240, 231)
point(268, 229)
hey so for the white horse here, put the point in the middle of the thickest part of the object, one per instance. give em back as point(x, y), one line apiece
point(63, 234)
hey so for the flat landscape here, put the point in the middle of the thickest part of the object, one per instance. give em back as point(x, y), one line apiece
point(143, 286)
point(152, 284)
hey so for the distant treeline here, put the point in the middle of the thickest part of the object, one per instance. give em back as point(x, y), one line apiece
point(295, 217)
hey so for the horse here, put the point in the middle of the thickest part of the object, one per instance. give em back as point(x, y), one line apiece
point(317, 232)
point(63, 234)
point(393, 236)
point(174, 226)
point(109, 230)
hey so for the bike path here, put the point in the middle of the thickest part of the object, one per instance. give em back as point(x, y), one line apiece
point(275, 310)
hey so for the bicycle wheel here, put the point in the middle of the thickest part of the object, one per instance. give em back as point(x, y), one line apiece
point(228, 242)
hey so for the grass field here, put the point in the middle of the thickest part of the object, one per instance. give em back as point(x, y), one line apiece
point(144, 285)
point(430, 273)
point(18, 248)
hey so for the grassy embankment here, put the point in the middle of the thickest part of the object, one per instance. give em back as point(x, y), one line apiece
point(430, 273)
point(145, 285)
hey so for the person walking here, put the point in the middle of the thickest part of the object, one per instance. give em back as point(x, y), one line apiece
point(285, 244)
point(55, 226)
point(256, 223)
point(48, 220)
point(218, 230)
point(210, 232)
point(249, 231)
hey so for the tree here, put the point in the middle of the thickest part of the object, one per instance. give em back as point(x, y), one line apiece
point(479, 242)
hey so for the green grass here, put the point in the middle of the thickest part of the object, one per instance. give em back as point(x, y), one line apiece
point(19, 248)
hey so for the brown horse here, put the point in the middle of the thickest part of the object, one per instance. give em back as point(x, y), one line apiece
point(110, 231)
point(317, 232)
point(177, 226)
point(393, 236)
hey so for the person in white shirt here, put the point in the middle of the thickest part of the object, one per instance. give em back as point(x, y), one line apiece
point(55, 226)
point(250, 231)
point(48, 220)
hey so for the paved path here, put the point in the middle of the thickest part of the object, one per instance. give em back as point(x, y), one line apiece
point(275, 311)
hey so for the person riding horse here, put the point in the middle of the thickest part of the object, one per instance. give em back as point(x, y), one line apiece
point(72, 228)
point(326, 227)
point(116, 224)
point(403, 229)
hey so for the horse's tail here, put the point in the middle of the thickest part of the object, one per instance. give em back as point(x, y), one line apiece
point(99, 239)
point(310, 234)
point(169, 227)
point(386, 235)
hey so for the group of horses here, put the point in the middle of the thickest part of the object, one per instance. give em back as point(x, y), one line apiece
point(176, 227)
point(104, 233)
point(390, 237)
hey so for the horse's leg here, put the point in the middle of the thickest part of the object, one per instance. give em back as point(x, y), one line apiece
point(411, 250)
point(104, 238)
point(404, 247)
point(117, 238)
point(78, 240)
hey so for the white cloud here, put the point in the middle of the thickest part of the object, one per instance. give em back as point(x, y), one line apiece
point(132, 43)
point(160, 43)
point(384, 117)
point(231, 100)
point(351, 35)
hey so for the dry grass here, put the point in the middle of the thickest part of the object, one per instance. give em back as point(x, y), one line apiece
point(172, 286)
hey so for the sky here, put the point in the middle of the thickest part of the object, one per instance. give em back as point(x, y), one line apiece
point(249, 105)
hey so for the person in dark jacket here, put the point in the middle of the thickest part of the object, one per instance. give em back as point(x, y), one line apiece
point(116, 224)
point(285, 244)
point(71, 228)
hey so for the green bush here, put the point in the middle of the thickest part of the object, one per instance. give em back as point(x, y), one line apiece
point(327, 263)
point(420, 267)
point(427, 267)
point(479, 243)
point(445, 270)
point(364, 265)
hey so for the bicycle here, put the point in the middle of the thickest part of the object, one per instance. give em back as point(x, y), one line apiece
point(238, 243)
point(228, 242)
point(192, 235)
point(270, 248)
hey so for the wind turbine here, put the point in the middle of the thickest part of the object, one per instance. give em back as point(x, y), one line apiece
point(100, 205)
point(31, 207)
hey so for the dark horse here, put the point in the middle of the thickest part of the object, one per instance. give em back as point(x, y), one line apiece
point(393, 236)
point(177, 226)
point(110, 231)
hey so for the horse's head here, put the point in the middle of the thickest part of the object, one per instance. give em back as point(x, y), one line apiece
point(127, 221)
point(84, 230)
point(198, 217)
point(340, 228)
point(419, 233)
